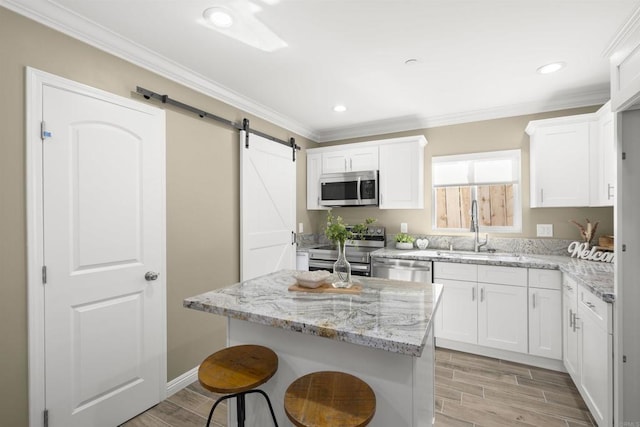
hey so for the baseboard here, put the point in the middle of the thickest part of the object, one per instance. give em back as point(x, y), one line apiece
point(177, 384)
point(527, 359)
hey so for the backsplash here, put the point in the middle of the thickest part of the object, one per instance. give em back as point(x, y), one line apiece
point(500, 244)
point(465, 243)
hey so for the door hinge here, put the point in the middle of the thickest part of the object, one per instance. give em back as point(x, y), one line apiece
point(44, 133)
point(45, 418)
point(624, 156)
point(624, 248)
point(44, 274)
point(624, 359)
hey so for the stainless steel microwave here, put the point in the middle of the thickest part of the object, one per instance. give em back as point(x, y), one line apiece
point(349, 189)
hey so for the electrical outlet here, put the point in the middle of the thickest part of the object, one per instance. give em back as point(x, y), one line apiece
point(404, 228)
point(544, 230)
point(300, 227)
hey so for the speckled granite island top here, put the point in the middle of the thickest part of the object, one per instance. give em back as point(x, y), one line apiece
point(597, 277)
point(387, 314)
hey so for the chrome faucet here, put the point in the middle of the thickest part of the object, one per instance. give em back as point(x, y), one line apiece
point(474, 227)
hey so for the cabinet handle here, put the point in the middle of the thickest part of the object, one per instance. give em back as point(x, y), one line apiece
point(350, 164)
point(345, 165)
point(473, 294)
point(481, 294)
point(609, 188)
point(571, 318)
point(541, 195)
point(534, 300)
point(575, 322)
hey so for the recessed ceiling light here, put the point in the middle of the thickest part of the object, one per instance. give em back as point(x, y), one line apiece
point(219, 17)
point(551, 68)
point(339, 108)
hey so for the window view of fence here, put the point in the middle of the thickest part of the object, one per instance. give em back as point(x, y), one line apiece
point(495, 206)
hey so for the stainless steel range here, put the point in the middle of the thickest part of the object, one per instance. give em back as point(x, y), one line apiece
point(357, 251)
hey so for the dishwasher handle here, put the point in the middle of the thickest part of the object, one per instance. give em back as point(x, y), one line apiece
point(401, 264)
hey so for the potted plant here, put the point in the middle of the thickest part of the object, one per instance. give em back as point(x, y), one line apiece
point(337, 232)
point(404, 241)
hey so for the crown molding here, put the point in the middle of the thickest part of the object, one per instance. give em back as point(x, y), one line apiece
point(627, 30)
point(402, 124)
point(67, 22)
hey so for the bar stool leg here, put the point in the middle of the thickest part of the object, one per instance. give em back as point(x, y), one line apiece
point(240, 409)
point(241, 405)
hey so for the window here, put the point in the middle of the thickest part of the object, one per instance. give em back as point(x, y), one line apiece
point(492, 179)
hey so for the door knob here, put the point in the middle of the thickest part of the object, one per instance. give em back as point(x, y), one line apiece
point(151, 276)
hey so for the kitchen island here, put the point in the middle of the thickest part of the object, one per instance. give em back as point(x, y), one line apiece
point(383, 335)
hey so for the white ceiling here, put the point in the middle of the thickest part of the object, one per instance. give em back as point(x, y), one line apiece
point(477, 59)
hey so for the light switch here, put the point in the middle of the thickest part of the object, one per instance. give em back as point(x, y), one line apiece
point(300, 228)
point(404, 228)
point(544, 230)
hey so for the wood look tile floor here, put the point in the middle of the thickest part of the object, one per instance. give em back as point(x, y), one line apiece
point(471, 391)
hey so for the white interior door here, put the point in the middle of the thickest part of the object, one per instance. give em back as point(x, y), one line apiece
point(103, 230)
point(267, 207)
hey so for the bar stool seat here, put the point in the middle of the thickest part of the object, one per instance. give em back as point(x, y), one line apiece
point(329, 398)
point(237, 371)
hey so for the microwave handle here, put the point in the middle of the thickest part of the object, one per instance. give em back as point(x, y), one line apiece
point(358, 191)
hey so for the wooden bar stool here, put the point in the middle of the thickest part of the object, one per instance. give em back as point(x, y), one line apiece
point(237, 371)
point(329, 398)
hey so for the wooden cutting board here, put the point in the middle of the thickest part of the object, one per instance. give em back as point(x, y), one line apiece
point(326, 288)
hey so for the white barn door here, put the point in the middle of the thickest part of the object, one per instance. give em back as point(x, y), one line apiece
point(267, 207)
point(102, 242)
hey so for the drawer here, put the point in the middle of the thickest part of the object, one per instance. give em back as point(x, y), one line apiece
point(514, 276)
point(455, 271)
point(545, 279)
point(591, 305)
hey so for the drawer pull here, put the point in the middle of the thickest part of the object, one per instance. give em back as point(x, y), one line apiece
point(473, 294)
point(534, 300)
point(571, 318)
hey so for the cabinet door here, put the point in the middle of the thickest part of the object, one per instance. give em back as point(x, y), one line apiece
point(607, 160)
point(570, 338)
point(402, 175)
point(545, 333)
point(363, 159)
point(335, 161)
point(456, 317)
point(595, 366)
point(314, 170)
point(502, 317)
point(560, 165)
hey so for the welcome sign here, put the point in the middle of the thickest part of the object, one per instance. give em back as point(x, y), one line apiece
point(581, 250)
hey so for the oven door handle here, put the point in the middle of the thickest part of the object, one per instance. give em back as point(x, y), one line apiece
point(329, 266)
point(358, 191)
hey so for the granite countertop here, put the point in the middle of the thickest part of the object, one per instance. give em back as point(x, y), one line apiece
point(597, 277)
point(387, 314)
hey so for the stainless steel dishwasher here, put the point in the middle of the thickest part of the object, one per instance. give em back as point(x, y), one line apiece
point(402, 269)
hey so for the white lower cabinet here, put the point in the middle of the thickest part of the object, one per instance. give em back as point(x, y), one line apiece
point(502, 317)
point(489, 314)
point(457, 315)
point(545, 313)
point(589, 350)
point(570, 332)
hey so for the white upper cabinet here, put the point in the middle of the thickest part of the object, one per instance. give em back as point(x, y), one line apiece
point(603, 159)
point(559, 162)
point(350, 160)
point(572, 160)
point(400, 162)
point(401, 183)
point(314, 169)
point(624, 56)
